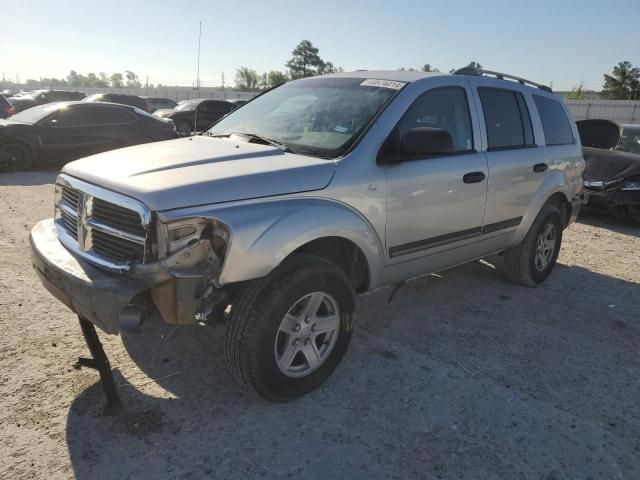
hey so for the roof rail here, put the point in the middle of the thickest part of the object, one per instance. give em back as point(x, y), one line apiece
point(479, 72)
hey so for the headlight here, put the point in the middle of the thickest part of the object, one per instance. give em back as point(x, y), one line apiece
point(631, 185)
point(179, 234)
point(594, 183)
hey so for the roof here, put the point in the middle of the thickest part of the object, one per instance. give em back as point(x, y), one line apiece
point(394, 75)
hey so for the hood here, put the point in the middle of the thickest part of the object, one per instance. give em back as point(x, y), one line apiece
point(162, 112)
point(609, 165)
point(202, 170)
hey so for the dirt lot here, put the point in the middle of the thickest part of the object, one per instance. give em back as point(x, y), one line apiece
point(463, 376)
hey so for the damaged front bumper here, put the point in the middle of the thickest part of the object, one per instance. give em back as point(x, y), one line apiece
point(181, 294)
point(611, 199)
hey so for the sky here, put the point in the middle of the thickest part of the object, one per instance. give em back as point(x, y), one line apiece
point(558, 42)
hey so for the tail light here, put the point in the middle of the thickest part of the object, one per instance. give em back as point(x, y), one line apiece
point(9, 110)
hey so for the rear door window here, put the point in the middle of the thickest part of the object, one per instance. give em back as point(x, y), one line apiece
point(555, 124)
point(111, 116)
point(507, 119)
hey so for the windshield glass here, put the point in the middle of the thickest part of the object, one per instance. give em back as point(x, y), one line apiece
point(34, 114)
point(316, 116)
point(186, 105)
point(630, 141)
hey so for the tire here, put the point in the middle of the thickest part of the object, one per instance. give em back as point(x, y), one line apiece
point(531, 262)
point(270, 338)
point(183, 128)
point(15, 157)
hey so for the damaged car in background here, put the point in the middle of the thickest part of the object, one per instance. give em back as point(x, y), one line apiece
point(315, 191)
point(612, 173)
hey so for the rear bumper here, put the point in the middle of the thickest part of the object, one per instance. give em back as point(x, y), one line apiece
point(90, 292)
point(603, 199)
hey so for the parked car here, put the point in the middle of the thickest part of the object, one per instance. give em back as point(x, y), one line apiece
point(121, 98)
point(196, 115)
point(612, 174)
point(69, 130)
point(157, 103)
point(318, 190)
point(6, 109)
point(238, 102)
point(41, 97)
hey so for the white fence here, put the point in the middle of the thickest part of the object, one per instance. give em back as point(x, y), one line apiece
point(621, 111)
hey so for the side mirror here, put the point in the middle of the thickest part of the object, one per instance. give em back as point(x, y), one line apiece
point(426, 142)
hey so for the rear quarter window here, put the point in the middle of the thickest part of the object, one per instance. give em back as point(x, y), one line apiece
point(555, 124)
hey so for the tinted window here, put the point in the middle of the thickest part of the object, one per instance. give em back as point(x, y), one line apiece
point(555, 124)
point(73, 117)
point(444, 108)
point(507, 119)
point(111, 116)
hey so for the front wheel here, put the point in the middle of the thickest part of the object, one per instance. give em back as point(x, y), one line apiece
point(531, 262)
point(289, 331)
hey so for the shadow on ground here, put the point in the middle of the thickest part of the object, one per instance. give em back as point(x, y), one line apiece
point(462, 376)
point(608, 221)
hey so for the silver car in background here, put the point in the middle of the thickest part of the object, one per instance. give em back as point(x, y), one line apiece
point(318, 190)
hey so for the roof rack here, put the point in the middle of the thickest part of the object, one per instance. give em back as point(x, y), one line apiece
point(479, 72)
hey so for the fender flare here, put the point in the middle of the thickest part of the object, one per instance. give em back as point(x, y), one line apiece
point(262, 235)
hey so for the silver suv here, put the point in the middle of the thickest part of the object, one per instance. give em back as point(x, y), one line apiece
point(311, 193)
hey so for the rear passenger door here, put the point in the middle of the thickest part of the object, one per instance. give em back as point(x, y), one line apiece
point(516, 165)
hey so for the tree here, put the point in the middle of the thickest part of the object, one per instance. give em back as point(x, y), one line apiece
point(274, 78)
point(247, 79)
point(327, 67)
point(577, 93)
point(428, 68)
point(132, 79)
point(623, 83)
point(117, 81)
point(103, 80)
point(73, 79)
point(305, 61)
point(474, 64)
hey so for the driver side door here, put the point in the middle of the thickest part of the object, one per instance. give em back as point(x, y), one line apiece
point(436, 204)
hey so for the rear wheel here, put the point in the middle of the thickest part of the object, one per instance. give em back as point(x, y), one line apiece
point(15, 157)
point(531, 262)
point(289, 331)
point(183, 128)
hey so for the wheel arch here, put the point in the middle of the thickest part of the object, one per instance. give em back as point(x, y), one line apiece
point(263, 235)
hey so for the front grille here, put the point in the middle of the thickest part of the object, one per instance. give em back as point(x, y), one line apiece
point(110, 231)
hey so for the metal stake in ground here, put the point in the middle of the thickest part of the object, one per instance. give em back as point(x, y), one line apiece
point(100, 362)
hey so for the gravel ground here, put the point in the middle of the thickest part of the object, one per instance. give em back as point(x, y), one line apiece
point(463, 376)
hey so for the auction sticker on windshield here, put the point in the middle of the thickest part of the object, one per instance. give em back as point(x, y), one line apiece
point(372, 82)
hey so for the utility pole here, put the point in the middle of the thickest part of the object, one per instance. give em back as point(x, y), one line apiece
point(223, 80)
point(198, 71)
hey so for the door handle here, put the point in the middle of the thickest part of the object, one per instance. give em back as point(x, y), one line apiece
point(540, 167)
point(473, 177)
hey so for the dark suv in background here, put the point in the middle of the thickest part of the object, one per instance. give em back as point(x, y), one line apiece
point(121, 98)
point(41, 97)
point(196, 115)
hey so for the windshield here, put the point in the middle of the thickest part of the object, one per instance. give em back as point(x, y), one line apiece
point(316, 116)
point(630, 141)
point(186, 105)
point(34, 114)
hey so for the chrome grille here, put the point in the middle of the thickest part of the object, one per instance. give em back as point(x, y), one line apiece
point(107, 232)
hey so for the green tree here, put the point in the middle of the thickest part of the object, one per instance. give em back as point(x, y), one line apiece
point(132, 79)
point(305, 61)
point(474, 64)
point(428, 68)
point(103, 80)
point(117, 80)
point(275, 77)
point(577, 93)
point(623, 83)
point(73, 79)
point(247, 79)
point(91, 80)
